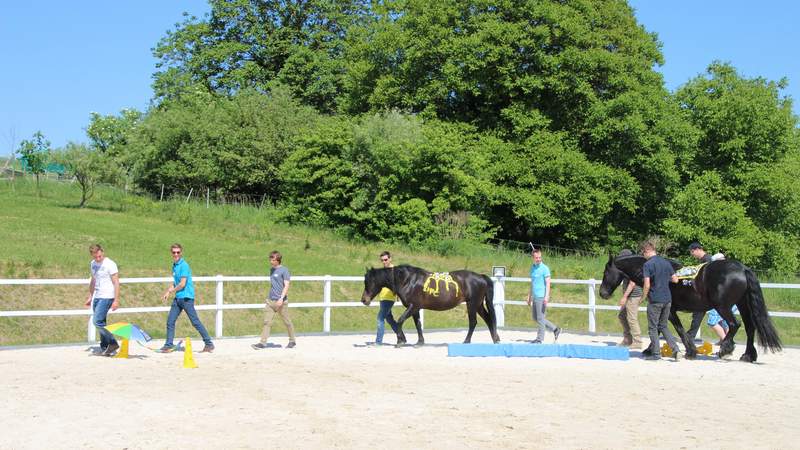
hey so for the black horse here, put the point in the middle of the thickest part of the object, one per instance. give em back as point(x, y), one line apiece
point(419, 289)
point(719, 285)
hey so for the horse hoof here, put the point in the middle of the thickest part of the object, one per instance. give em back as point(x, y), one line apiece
point(419, 344)
point(747, 358)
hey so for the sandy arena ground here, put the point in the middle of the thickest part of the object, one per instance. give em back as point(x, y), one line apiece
point(335, 392)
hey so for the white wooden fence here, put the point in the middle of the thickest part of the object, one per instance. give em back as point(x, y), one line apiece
point(327, 302)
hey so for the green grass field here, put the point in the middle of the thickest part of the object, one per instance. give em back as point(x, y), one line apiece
point(46, 236)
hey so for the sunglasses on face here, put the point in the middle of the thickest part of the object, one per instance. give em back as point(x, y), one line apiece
point(176, 252)
point(385, 260)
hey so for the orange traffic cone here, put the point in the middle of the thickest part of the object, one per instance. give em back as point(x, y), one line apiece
point(123, 350)
point(188, 358)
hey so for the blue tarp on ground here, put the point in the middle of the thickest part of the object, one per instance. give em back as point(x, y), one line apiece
point(540, 350)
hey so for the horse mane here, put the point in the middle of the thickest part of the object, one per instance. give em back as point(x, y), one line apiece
point(631, 266)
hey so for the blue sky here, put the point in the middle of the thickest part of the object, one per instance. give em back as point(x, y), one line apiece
point(65, 59)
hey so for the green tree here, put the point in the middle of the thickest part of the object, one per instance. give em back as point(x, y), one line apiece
point(36, 153)
point(707, 210)
point(252, 44)
point(518, 69)
point(231, 144)
point(390, 177)
point(747, 136)
point(109, 135)
point(742, 121)
point(88, 166)
point(548, 189)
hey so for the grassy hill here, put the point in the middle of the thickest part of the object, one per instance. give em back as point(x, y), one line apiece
point(46, 236)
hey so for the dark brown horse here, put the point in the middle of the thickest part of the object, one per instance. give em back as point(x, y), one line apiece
point(419, 289)
point(718, 285)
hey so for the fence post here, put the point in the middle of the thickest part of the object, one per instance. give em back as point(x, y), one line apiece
point(592, 304)
point(326, 299)
point(219, 301)
point(91, 336)
point(500, 301)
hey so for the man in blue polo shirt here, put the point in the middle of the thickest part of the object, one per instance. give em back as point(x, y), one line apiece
point(183, 301)
point(540, 294)
point(658, 274)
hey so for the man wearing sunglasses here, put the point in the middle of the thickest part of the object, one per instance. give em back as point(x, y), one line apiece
point(183, 288)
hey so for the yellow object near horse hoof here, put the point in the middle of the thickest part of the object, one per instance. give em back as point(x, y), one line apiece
point(666, 351)
point(705, 349)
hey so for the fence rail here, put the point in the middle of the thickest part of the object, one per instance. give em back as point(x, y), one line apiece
point(326, 303)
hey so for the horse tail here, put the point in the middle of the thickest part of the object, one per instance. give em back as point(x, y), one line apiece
point(490, 300)
point(767, 334)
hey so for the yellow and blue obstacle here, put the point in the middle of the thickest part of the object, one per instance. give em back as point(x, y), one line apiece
point(540, 351)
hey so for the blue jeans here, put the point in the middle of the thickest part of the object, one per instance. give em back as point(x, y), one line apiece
point(100, 307)
point(184, 304)
point(385, 314)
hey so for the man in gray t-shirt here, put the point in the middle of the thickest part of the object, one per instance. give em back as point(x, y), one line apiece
point(277, 300)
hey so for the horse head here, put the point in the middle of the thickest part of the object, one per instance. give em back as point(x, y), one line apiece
point(621, 268)
point(612, 277)
point(374, 281)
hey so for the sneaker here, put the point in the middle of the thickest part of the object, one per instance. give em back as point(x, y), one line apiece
point(537, 341)
point(647, 352)
point(208, 348)
point(167, 349)
point(556, 333)
point(291, 344)
point(259, 346)
point(111, 349)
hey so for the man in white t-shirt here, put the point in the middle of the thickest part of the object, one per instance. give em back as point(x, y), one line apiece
point(103, 295)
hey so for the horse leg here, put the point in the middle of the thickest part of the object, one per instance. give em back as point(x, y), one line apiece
point(488, 319)
point(418, 324)
point(401, 337)
point(688, 341)
point(727, 345)
point(750, 353)
point(472, 322)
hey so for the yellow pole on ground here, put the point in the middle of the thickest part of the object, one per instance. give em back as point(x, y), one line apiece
point(123, 350)
point(188, 358)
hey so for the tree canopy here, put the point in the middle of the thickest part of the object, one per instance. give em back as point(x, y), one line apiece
point(419, 121)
